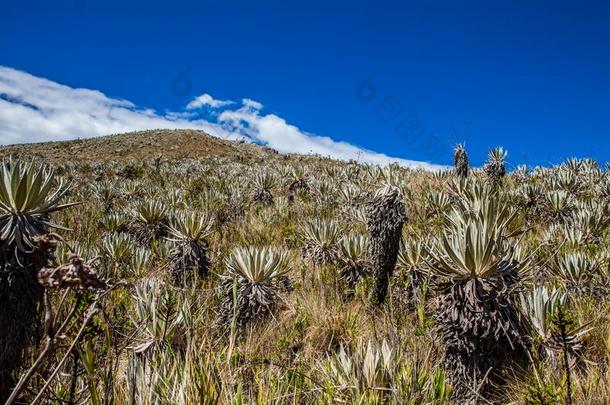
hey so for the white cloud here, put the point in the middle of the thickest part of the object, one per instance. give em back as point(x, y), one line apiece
point(207, 100)
point(34, 109)
point(275, 132)
point(251, 104)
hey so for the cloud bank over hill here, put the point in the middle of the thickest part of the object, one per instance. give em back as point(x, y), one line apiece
point(35, 109)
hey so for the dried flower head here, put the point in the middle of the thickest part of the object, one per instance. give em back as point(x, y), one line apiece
point(76, 275)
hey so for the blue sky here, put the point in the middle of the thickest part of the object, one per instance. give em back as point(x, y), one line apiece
point(531, 76)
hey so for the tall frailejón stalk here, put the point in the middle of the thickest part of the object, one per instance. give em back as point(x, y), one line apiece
point(460, 158)
point(495, 167)
point(385, 218)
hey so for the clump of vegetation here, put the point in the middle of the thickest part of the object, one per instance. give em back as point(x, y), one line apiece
point(252, 284)
point(28, 196)
point(224, 273)
point(320, 241)
point(354, 263)
point(150, 222)
point(477, 318)
point(190, 253)
point(495, 167)
point(263, 186)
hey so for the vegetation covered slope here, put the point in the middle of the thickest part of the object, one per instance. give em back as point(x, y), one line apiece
point(198, 270)
point(144, 145)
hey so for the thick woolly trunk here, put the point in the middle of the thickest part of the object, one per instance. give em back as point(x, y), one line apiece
point(187, 259)
point(296, 186)
point(20, 324)
point(254, 303)
point(385, 218)
point(300, 184)
point(318, 255)
point(145, 233)
point(461, 162)
point(262, 196)
point(350, 275)
point(482, 336)
point(495, 172)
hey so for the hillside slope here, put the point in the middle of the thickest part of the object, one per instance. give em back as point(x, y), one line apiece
point(142, 145)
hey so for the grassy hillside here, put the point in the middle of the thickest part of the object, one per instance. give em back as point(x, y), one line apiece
point(198, 270)
point(144, 145)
